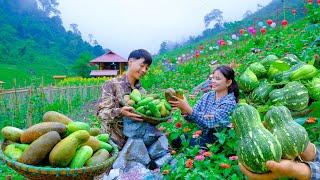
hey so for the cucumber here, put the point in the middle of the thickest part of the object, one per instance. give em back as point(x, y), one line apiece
point(103, 137)
point(82, 155)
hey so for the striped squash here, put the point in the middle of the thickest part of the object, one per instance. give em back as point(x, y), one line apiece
point(261, 93)
point(291, 59)
point(294, 95)
point(256, 144)
point(258, 69)
point(291, 135)
point(267, 61)
point(248, 81)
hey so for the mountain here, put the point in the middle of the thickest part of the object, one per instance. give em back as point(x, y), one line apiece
point(34, 43)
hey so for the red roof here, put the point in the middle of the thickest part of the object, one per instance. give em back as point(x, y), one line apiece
point(109, 57)
point(104, 73)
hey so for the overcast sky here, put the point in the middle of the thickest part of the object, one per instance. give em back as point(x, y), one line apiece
point(125, 25)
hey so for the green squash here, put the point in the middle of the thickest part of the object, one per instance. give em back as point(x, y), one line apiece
point(248, 81)
point(261, 93)
point(258, 69)
point(294, 95)
point(256, 144)
point(291, 135)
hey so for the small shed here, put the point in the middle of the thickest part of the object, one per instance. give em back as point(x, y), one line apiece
point(110, 64)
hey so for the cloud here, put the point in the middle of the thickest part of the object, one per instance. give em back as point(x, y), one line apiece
point(125, 25)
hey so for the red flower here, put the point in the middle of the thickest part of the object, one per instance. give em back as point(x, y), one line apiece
point(241, 31)
point(263, 31)
point(178, 125)
point(269, 21)
point(224, 165)
point(284, 22)
point(189, 163)
point(199, 132)
point(310, 1)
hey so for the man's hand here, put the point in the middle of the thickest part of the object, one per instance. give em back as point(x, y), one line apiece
point(285, 168)
point(182, 104)
point(128, 112)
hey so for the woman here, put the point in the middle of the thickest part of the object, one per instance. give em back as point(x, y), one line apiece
point(211, 113)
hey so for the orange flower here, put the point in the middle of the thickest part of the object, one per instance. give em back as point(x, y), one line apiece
point(224, 165)
point(311, 120)
point(207, 154)
point(186, 129)
point(166, 171)
point(189, 163)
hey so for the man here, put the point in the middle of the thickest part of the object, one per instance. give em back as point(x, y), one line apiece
point(110, 110)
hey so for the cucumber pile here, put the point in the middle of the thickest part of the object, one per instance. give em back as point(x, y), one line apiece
point(57, 142)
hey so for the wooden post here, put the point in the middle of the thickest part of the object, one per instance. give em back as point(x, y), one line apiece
point(16, 104)
point(30, 107)
point(43, 100)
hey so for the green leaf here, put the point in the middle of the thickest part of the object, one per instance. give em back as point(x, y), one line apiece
point(221, 137)
point(315, 107)
point(280, 65)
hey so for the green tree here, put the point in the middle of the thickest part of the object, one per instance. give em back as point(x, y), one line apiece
point(82, 66)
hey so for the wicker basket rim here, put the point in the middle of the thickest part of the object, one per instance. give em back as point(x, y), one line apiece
point(153, 120)
point(58, 169)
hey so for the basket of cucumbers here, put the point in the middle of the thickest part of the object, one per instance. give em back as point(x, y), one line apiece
point(151, 107)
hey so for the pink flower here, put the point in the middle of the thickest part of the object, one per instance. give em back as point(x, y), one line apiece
point(161, 128)
point(199, 157)
point(202, 151)
point(195, 136)
point(231, 126)
point(233, 158)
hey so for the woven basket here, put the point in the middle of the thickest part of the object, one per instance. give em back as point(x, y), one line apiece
point(153, 120)
point(35, 172)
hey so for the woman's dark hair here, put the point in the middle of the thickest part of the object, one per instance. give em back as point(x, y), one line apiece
point(141, 53)
point(228, 73)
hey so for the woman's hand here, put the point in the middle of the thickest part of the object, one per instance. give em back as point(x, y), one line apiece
point(128, 112)
point(284, 168)
point(310, 153)
point(182, 104)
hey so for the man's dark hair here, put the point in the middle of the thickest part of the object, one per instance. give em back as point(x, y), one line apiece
point(141, 53)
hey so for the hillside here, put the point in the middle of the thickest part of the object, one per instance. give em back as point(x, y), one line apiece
point(34, 44)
